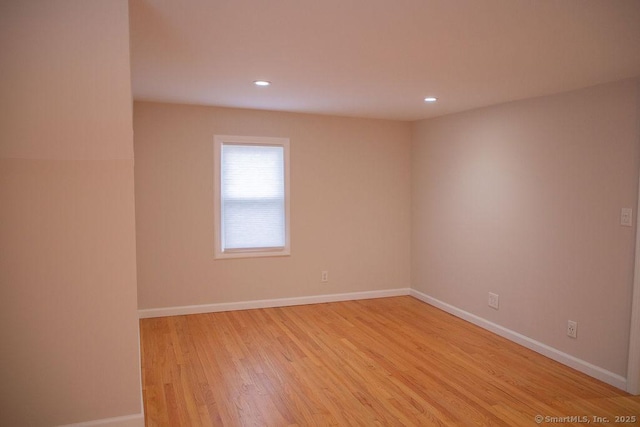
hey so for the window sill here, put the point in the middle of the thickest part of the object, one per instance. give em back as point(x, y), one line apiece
point(252, 253)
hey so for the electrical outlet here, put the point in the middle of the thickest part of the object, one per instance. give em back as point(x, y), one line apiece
point(572, 329)
point(494, 300)
point(324, 276)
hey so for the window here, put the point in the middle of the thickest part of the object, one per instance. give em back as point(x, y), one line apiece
point(251, 190)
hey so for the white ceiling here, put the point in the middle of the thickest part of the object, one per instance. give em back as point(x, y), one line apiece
point(377, 58)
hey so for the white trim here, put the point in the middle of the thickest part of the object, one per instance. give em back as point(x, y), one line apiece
point(218, 142)
point(633, 365)
point(633, 360)
point(136, 420)
point(552, 353)
point(267, 303)
point(140, 371)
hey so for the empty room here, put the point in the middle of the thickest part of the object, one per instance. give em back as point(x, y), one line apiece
point(297, 213)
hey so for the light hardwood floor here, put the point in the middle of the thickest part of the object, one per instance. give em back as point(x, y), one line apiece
point(382, 362)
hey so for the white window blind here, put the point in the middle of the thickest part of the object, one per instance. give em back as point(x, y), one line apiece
point(252, 196)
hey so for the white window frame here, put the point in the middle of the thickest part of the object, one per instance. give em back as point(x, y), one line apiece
point(218, 142)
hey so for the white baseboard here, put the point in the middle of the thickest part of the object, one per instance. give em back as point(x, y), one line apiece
point(550, 352)
point(136, 420)
point(266, 303)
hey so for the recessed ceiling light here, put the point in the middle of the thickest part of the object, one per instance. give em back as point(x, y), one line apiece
point(261, 83)
point(430, 99)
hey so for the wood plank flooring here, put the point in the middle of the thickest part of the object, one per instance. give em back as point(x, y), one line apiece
point(382, 362)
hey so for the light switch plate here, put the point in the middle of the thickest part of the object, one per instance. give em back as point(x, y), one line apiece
point(626, 217)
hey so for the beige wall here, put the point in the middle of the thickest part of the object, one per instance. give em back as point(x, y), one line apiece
point(521, 199)
point(524, 200)
point(68, 320)
point(350, 191)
